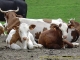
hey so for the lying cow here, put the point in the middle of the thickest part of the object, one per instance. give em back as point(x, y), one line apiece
point(75, 25)
point(23, 35)
point(2, 32)
point(73, 34)
point(52, 38)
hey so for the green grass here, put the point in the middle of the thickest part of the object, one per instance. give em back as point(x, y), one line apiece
point(53, 9)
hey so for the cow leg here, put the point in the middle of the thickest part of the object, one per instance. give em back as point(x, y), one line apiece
point(69, 45)
point(34, 42)
point(24, 44)
point(30, 44)
point(53, 46)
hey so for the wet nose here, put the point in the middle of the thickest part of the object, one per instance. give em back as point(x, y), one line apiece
point(24, 38)
point(64, 37)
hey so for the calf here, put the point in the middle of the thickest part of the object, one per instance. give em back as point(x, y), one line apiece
point(52, 38)
point(23, 35)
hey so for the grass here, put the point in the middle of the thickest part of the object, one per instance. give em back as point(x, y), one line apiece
point(53, 9)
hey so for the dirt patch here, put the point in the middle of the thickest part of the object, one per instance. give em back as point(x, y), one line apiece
point(38, 54)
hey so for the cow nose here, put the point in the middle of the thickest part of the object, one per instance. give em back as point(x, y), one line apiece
point(64, 37)
point(24, 38)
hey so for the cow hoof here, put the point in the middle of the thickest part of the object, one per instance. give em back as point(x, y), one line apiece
point(75, 44)
point(40, 46)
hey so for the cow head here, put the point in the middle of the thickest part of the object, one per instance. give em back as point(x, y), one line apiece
point(64, 28)
point(24, 31)
point(73, 23)
point(9, 14)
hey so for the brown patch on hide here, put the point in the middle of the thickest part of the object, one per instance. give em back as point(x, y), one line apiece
point(37, 35)
point(47, 20)
point(15, 37)
point(32, 26)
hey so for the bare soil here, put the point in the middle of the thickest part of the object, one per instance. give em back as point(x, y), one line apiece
point(38, 53)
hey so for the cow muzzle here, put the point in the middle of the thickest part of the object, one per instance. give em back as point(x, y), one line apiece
point(25, 38)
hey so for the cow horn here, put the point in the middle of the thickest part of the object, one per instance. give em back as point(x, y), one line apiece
point(17, 9)
point(3, 11)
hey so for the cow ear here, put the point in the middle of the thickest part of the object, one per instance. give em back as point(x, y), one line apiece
point(32, 26)
point(60, 25)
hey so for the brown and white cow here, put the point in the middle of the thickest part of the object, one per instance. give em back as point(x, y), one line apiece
point(2, 32)
point(22, 34)
point(73, 34)
point(75, 25)
point(52, 38)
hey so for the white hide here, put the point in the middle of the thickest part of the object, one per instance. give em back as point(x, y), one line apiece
point(24, 32)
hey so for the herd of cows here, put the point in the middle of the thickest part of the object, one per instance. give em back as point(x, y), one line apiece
point(38, 33)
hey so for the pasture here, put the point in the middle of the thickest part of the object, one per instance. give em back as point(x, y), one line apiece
point(53, 9)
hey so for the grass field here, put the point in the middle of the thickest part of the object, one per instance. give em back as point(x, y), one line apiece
point(53, 9)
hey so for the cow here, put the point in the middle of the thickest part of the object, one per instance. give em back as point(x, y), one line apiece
point(73, 34)
point(12, 5)
point(8, 14)
point(2, 30)
point(22, 33)
point(75, 25)
point(52, 39)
